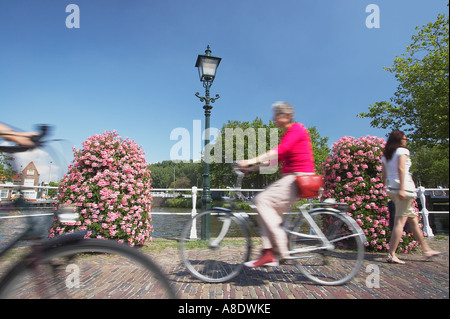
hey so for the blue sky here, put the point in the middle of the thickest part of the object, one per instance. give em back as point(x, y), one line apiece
point(130, 65)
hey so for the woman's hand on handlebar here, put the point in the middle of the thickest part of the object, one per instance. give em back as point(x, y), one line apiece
point(21, 138)
point(24, 140)
point(242, 164)
point(245, 167)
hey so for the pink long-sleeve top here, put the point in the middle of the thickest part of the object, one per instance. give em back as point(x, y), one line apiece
point(295, 151)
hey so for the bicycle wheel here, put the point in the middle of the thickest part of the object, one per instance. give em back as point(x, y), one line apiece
point(221, 256)
point(333, 265)
point(87, 268)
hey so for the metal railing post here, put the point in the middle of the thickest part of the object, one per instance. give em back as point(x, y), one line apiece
point(426, 223)
point(193, 213)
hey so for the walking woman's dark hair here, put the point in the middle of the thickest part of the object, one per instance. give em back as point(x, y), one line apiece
point(394, 141)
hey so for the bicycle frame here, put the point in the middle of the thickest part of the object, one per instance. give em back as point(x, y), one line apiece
point(316, 233)
point(306, 212)
point(327, 244)
point(226, 225)
point(243, 217)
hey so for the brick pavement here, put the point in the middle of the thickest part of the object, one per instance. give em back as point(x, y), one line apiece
point(418, 279)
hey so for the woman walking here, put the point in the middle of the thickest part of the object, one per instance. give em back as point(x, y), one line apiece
point(400, 188)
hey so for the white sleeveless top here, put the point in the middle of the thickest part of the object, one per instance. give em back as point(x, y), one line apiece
point(392, 164)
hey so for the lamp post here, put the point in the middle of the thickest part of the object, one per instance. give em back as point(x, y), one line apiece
point(49, 176)
point(207, 67)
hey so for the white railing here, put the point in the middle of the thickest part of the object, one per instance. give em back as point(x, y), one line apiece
point(194, 191)
point(26, 186)
point(425, 212)
point(420, 194)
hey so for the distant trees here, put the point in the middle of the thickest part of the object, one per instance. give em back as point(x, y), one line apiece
point(6, 170)
point(236, 141)
point(169, 174)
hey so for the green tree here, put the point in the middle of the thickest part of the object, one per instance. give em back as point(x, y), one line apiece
point(239, 140)
point(320, 148)
point(170, 174)
point(428, 171)
point(162, 174)
point(421, 104)
point(53, 192)
point(246, 143)
point(6, 170)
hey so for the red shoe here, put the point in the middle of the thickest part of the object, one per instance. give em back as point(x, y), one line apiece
point(267, 259)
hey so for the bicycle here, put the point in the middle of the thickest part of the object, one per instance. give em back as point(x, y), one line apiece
point(72, 265)
point(326, 244)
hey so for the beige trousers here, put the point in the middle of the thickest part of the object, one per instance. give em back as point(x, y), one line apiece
point(403, 207)
point(275, 200)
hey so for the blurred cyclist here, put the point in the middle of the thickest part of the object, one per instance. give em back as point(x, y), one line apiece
point(296, 154)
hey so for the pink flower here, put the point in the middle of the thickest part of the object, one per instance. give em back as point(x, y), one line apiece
point(102, 180)
point(353, 175)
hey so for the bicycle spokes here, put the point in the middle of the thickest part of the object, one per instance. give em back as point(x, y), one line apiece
point(332, 258)
point(221, 257)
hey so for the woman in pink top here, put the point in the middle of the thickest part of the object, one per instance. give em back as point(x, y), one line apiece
point(296, 155)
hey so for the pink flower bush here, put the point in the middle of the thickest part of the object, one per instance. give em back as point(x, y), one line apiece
point(109, 185)
point(353, 174)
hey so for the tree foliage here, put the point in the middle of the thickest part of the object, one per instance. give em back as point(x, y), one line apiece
point(6, 169)
point(170, 174)
point(428, 171)
point(242, 140)
point(246, 143)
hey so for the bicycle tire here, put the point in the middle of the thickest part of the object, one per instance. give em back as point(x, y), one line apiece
point(220, 257)
point(105, 269)
point(332, 266)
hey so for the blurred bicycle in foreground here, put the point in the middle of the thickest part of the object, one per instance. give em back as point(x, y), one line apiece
point(69, 265)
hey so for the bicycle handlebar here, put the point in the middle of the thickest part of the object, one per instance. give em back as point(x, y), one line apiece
point(240, 173)
point(36, 139)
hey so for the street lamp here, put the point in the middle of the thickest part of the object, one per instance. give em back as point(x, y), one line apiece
point(207, 67)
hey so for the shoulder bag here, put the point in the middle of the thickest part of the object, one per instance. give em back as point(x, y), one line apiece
point(310, 186)
point(393, 186)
